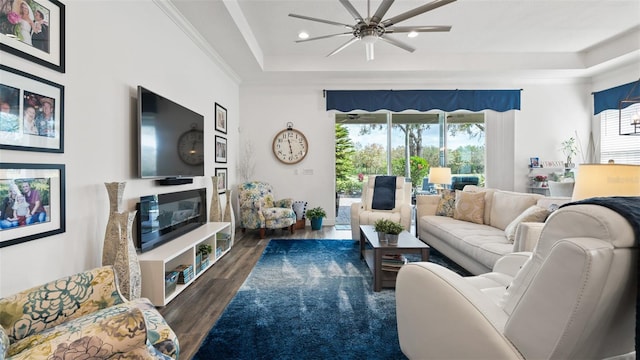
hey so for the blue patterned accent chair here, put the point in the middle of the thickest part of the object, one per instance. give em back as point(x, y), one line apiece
point(259, 209)
point(83, 316)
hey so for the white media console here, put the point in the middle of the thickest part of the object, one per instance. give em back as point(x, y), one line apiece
point(156, 262)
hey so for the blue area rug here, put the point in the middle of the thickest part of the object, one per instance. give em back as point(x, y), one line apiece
point(307, 299)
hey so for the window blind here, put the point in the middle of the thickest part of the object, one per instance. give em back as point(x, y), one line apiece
point(621, 149)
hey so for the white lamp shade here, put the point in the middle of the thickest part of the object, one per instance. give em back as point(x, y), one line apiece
point(440, 175)
point(599, 180)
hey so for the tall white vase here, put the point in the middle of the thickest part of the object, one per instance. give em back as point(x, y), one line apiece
point(126, 264)
point(229, 216)
point(112, 232)
point(215, 213)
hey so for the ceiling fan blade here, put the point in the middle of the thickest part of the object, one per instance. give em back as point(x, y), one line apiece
point(406, 29)
point(382, 10)
point(397, 43)
point(343, 46)
point(354, 13)
point(325, 37)
point(417, 11)
point(321, 20)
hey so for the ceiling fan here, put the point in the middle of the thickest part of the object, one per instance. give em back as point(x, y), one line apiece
point(372, 28)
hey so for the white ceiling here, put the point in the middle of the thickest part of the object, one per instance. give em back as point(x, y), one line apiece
point(488, 39)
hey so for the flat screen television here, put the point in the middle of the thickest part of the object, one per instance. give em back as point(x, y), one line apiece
point(162, 218)
point(170, 138)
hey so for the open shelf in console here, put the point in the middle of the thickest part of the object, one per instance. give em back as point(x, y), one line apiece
point(155, 263)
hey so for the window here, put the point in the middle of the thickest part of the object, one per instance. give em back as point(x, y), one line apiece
point(623, 149)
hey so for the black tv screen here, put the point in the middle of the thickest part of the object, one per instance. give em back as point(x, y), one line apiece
point(170, 138)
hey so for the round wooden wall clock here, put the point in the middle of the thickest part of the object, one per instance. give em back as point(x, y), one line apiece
point(290, 146)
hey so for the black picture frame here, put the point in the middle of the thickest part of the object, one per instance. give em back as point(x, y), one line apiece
point(48, 180)
point(48, 49)
point(221, 149)
point(25, 95)
point(534, 162)
point(221, 173)
point(221, 118)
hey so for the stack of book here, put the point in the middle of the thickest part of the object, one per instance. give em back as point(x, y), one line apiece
point(185, 273)
point(393, 262)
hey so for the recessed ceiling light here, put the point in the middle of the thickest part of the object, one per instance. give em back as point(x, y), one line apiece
point(412, 34)
point(303, 35)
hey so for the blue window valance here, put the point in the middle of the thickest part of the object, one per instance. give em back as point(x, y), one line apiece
point(610, 99)
point(423, 100)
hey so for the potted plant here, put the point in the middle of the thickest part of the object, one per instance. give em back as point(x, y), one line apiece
point(315, 215)
point(540, 180)
point(380, 226)
point(569, 148)
point(204, 250)
point(392, 232)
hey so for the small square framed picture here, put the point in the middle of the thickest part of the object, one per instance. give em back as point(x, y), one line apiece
point(221, 118)
point(534, 162)
point(221, 173)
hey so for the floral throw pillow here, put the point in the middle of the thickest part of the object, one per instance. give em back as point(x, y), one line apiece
point(447, 203)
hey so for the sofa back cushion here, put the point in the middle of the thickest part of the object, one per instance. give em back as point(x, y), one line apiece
point(488, 200)
point(507, 205)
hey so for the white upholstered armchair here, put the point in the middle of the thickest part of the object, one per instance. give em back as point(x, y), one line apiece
point(366, 212)
point(574, 298)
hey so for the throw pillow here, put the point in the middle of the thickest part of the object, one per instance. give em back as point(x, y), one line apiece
point(534, 213)
point(446, 204)
point(469, 206)
point(300, 208)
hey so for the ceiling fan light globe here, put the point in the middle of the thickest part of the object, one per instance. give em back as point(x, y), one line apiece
point(369, 49)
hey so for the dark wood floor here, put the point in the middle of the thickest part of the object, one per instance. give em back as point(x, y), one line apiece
point(192, 313)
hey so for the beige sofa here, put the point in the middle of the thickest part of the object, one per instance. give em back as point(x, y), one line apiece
point(502, 225)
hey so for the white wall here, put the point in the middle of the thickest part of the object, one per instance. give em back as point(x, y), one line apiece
point(551, 112)
point(112, 47)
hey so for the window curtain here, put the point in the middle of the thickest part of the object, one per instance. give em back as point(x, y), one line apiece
point(423, 100)
point(610, 99)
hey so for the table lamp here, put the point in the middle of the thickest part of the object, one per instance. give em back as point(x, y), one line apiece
point(440, 176)
point(598, 180)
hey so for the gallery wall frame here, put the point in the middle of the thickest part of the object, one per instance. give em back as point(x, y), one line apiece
point(45, 182)
point(42, 41)
point(31, 112)
point(221, 149)
point(221, 173)
point(221, 118)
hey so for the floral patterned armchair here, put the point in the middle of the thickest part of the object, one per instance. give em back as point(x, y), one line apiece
point(83, 316)
point(259, 209)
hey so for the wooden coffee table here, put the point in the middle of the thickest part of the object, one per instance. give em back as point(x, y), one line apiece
point(372, 251)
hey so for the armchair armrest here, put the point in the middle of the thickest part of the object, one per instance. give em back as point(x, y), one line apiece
point(442, 316)
point(284, 203)
point(527, 236)
point(510, 264)
point(426, 205)
point(112, 331)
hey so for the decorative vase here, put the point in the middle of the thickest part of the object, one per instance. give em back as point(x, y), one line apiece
point(392, 239)
point(229, 216)
point(112, 233)
point(126, 264)
point(215, 213)
point(316, 223)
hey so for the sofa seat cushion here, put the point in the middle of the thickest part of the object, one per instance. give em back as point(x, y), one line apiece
point(484, 243)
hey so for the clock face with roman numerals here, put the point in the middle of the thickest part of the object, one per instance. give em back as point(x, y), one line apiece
point(290, 146)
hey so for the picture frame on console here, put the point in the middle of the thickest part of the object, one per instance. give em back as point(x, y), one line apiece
point(44, 44)
point(31, 112)
point(27, 185)
point(221, 149)
point(221, 173)
point(221, 118)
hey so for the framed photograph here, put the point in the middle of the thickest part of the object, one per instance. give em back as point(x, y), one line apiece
point(34, 30)
point(221, 118)
point(31, 112)
point(221, 149)
point(32, 202)
point(221, 173)
point(534, 162)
